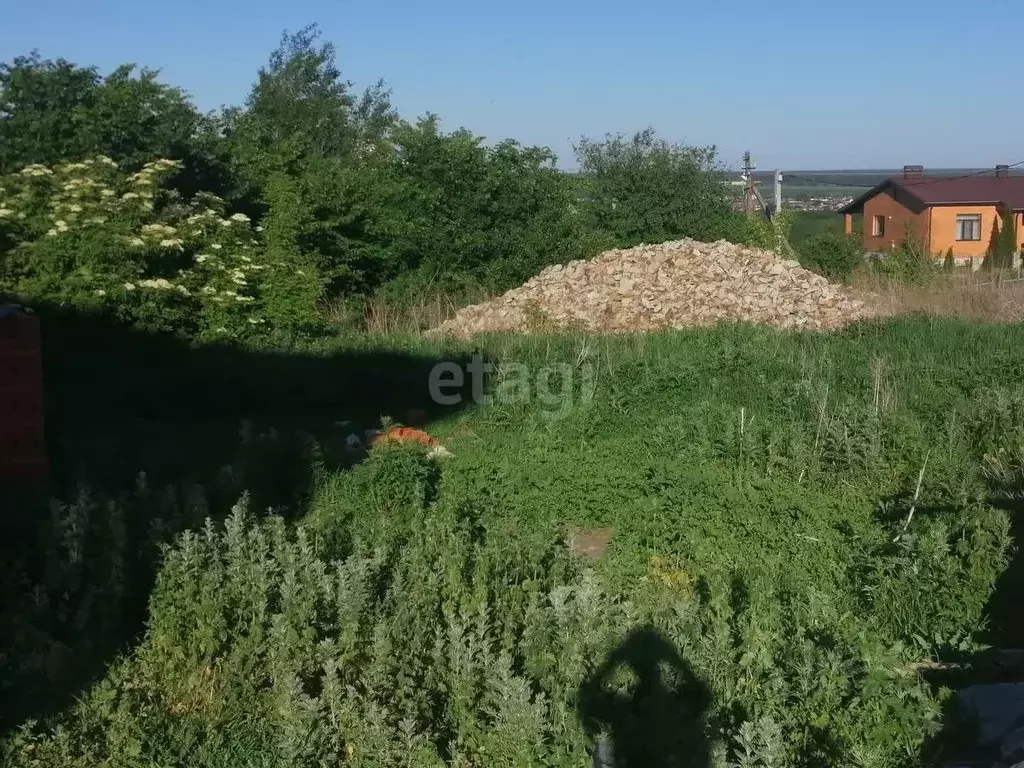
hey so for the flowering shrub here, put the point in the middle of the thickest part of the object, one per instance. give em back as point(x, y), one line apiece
point(90, 235)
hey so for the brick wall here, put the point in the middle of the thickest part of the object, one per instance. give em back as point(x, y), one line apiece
point(901, 218)
point(943, 226)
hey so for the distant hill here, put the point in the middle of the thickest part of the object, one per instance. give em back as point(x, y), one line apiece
point(862, 178)
point(831, 188)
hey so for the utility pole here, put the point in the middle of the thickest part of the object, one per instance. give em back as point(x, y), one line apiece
point(778, 193)
point(750, 191)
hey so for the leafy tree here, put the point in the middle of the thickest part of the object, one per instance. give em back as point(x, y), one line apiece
point(306, 144)
point(645, 189)
point(1006, 245)
point(44, 111)
point(298, 110)
point(56, 111)
point(347, 220)
point(498, 213)
point(301, 111)
point(1003, 243)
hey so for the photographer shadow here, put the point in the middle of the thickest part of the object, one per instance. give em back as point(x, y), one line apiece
point(657, 719)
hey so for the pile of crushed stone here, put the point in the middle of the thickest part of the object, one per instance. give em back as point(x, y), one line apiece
point(672, 285)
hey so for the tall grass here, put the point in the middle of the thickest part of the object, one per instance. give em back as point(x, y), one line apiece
point(755, 486)
point(980, 295)
point(408, 312)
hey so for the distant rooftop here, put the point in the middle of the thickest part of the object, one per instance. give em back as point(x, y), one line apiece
point(995, 187)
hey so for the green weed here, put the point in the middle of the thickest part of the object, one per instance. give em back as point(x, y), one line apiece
point(757, 489)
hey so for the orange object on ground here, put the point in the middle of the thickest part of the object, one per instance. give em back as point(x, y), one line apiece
point(405, 435)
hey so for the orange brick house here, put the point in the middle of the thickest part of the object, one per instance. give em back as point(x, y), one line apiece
point(957, 213)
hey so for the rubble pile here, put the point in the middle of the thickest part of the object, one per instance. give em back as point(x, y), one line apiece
point(672, 285)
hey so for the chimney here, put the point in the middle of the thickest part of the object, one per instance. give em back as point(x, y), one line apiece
point(913, 171)
point(1002, 171)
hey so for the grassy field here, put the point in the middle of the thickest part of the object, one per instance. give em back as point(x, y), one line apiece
point(808, 224)
point(717, 547)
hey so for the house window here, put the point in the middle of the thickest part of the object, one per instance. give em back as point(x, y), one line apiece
point(878, 226)
point(968, 227)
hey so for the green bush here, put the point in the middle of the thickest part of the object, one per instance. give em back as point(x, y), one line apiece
point(447, 642)
point(497, 215)
point(76, 573)
point(643, 189)
point(758, 231)
point(909, 263)
point(57, 112)
point(940, 577)
point(833, 255)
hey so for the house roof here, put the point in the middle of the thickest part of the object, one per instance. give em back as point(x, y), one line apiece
point(939, 190)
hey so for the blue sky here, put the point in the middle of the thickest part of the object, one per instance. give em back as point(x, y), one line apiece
point(820, 85)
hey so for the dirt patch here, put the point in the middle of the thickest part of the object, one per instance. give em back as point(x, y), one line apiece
point(590, 542)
